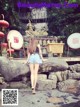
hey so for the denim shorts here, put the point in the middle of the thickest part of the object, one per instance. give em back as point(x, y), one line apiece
point(35, 58)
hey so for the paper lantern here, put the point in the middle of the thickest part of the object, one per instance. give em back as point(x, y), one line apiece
point(4, 23)
point(1, 34)
point(4, 44)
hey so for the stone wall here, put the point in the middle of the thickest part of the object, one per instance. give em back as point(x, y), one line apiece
point(53, 73)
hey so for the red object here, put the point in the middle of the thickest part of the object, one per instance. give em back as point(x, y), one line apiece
point(4, 44)
point(16, 40)
point(4, 23)
point(73, 41)
point(10, 50)
point(1, 34)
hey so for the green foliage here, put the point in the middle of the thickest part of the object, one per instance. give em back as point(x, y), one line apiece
point(73, 1)
point(7, 8)
point(62, 21)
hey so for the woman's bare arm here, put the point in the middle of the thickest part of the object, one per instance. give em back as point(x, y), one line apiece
point(40, 52)
point(28, 56)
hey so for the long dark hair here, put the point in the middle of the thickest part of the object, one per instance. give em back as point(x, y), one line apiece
point(32, 45)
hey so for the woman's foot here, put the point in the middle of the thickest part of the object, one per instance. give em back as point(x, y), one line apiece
point(33, 91)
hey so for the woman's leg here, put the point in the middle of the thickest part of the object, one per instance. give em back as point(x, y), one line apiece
point(32, 74)
point(36, 68)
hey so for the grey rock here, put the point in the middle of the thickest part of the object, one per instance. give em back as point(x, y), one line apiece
point(75, 67)
point(53, 64)
point(59, 76)
point(17, 85)
point(74, 75)
point(52, 76)
point(42, 77)
point(64, 75)
point(4, 85)
point(69, 85)
point(11, 69)
point(46, 84)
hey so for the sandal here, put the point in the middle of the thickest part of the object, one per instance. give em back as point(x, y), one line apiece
point(33, 91)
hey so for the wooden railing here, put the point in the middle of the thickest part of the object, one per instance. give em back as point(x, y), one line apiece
point(44, 41)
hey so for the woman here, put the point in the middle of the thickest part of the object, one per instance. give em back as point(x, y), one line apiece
point(34, 59)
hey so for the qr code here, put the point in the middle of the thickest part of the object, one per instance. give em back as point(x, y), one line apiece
point(9, 96)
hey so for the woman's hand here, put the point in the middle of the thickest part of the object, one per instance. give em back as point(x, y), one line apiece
point(27, 62)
